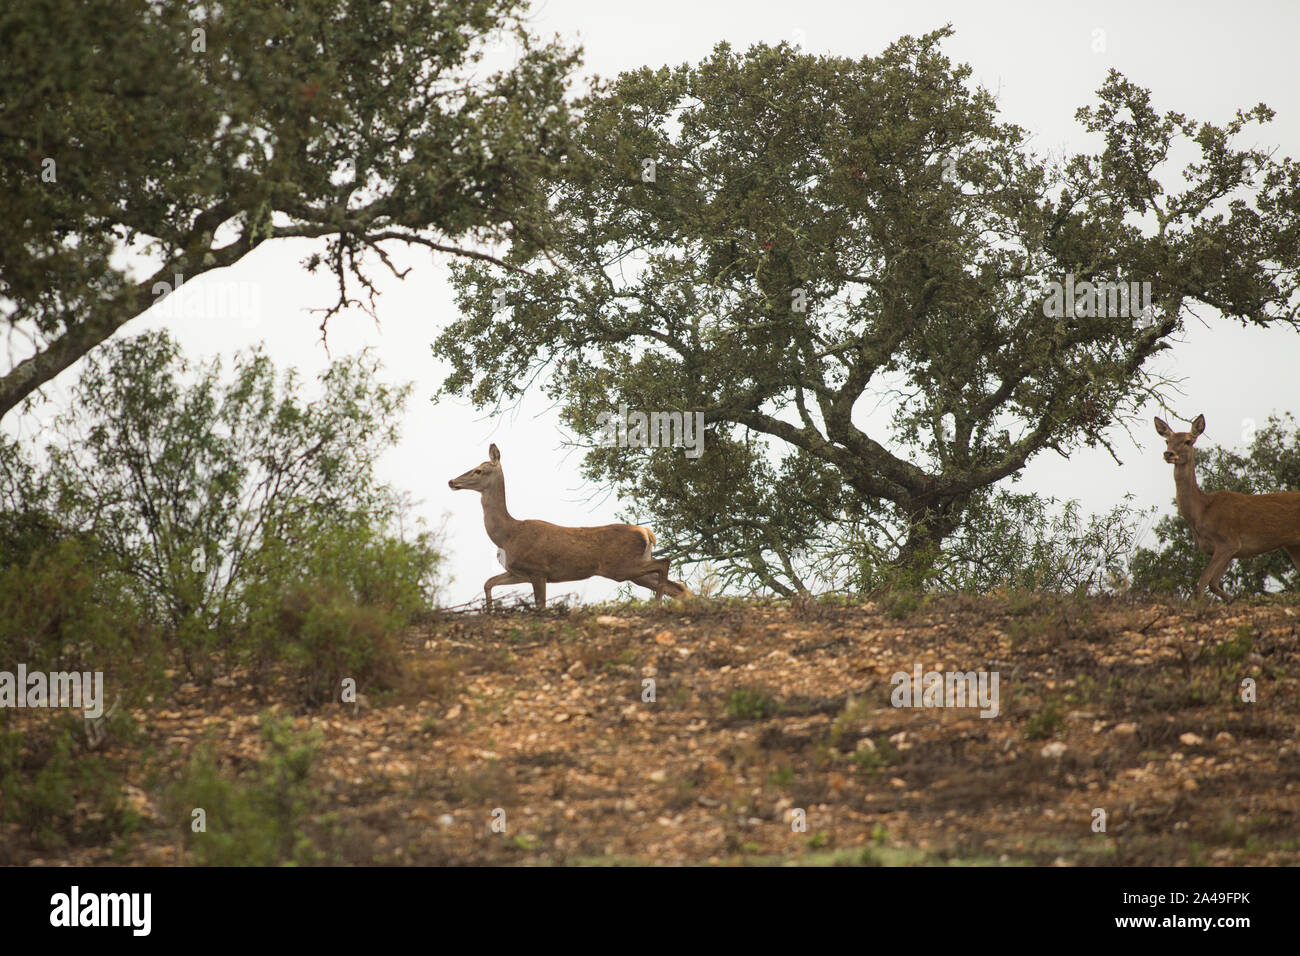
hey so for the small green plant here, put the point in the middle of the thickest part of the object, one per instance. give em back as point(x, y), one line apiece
point(750, 703)
point(68, 607)
point(331, 598)
point(525, 842)
point(1045, 723)
point(781, 777)
point(258, 818)
point(847, 721)
point(1234, 648)
point(866, 759)
point(819, 840)
point(871, 755)
point(903, 604)
point(621, 663)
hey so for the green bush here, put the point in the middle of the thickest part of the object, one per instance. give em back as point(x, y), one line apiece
point(1026, 541)
point(58, 794)
point(750, 703)
point(1006, 539)
point(69, 608)
point(330, 601)
point(239, 517)
point(256, 819)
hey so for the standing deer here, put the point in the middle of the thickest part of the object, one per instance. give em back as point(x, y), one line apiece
point(535, 552)
point(1228, 524)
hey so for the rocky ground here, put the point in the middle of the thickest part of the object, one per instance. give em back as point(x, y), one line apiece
point(771, 738)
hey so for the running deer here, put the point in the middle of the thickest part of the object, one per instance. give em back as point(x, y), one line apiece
point(535, 552)
point(1228, 524)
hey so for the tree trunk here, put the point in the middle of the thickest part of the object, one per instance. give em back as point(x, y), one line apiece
point(929, 527)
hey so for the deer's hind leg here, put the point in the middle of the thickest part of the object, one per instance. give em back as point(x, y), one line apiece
point(1293, 552)
point(673, 589)
point(656, 570)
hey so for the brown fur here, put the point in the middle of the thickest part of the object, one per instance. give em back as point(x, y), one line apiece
point(1228, 524)
point(538, 552)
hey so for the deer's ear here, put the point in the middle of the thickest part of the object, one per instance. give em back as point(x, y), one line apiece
point(1198, 426)
point(494, 453)
point(1162, 429)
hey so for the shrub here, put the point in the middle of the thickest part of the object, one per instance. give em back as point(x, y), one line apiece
point(184, 472)
point(257, 819)
point(58, 794)
point(331, 599)
point(70, 608)
point(750, 703)
point(223, 506)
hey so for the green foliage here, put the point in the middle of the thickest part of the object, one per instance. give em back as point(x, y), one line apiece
point(216, 501)
point(750, 703)
point(69, 607)
point(257, 818)
point(1025, 541)
point(1007, 540)
point(56, 792)
point(233, 521)
point(872, 756)
point(1045, 723)
point(1234, 648)
point(180, 475)
point(781, 777)
point(273, 121)
point(27, 524)
point(329, 597)
point(816, 234)
point(1271, 463)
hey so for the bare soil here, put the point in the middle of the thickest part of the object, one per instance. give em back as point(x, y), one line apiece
point(765, 711)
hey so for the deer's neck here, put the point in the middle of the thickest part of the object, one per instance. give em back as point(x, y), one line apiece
point(500, 525)
point(1190, 498)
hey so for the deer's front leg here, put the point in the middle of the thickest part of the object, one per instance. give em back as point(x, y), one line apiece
point(507, 578)
point(1214, 571)
point(539, 592)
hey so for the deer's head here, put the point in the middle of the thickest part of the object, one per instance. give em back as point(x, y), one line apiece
point(481, 476)
point(1178, 445)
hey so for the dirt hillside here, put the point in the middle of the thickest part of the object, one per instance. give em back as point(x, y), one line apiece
point(772, 738)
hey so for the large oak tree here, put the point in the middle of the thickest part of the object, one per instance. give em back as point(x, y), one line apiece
point(783, 241)
point(191, 133)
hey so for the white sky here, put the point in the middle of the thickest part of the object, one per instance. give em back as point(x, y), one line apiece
point(1205, 59)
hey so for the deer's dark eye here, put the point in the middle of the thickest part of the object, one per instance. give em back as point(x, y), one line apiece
point(478, 471)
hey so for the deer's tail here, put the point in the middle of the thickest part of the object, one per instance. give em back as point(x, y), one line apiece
point(650, 540)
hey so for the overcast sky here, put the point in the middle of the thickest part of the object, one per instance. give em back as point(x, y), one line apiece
point(1042, 60)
